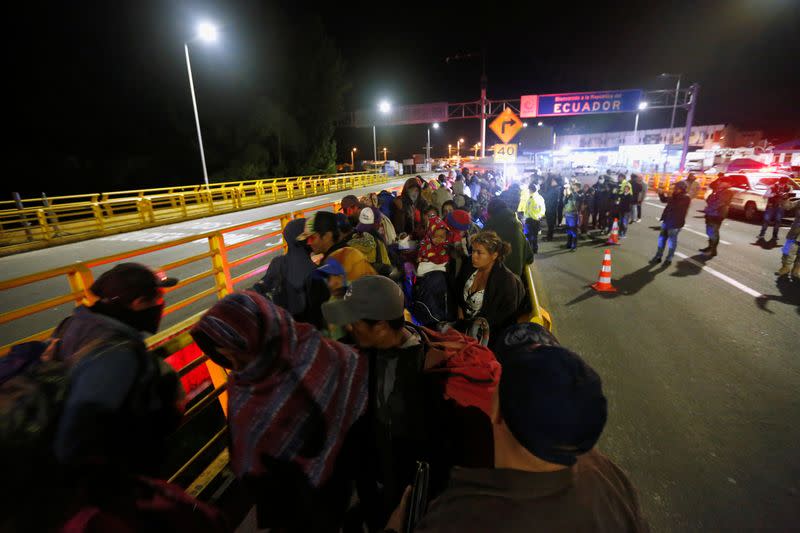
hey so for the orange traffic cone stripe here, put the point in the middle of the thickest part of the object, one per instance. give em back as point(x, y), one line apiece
point(604, 278)
point(614, 237)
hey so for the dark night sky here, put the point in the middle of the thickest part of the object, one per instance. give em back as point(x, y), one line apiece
point(108, 78)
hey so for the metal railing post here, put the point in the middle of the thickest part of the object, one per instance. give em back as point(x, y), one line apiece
point(56, 230)
point(285, 219)
point(219, 262)
point(25, 223)
point(222, 280)
point(40, 214)
point(98, 216)
point(81, 279)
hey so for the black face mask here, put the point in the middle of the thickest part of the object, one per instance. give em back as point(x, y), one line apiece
point(144, 320)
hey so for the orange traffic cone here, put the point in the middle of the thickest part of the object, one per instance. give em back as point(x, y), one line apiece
point(604, 279)
point(614, 237)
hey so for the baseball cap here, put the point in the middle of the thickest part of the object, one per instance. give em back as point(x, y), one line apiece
point(319, 222)
point(349, 201)
point(552, 402)
point(373, 297)
point(368, 218)
point(128, 281)
point(332, 267)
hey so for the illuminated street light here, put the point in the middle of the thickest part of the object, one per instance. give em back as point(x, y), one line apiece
point(524, 124)
point(206, 32)
point(385, 108)
point(642, 107)
point(384, 153)
point(428, 146)
point(449, 150)
point(353, 158)
point(540, 124)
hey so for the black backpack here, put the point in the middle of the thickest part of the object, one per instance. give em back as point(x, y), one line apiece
point(33, 387)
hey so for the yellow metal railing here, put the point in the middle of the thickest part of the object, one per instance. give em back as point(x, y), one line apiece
point(72, 218)
point(539, 314)
point(80, 277)
point(665, 182)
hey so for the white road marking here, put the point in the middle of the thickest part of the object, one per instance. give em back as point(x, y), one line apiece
point(727, 279)
point(656, 205)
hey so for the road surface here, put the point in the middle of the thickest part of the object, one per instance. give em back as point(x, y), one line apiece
point(701, 365)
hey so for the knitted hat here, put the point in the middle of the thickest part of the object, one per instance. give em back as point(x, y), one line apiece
point(552, 402)
point(459, 220)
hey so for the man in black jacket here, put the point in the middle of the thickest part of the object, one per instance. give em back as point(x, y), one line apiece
point(600, 198)
point(408, 418)
point(716, 211)
point(673, 219)
point(552, 200)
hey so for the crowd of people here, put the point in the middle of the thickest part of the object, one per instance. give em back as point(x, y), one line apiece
point(383, 374)
point(353, 366)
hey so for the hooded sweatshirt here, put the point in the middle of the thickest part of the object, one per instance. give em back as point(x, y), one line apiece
point(292, 270)
point(407, 212)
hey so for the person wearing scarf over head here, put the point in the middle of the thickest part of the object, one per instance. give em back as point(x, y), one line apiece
point(294, 399)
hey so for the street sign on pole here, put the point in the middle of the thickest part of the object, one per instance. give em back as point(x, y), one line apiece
point(505, 153)
point(506, 125)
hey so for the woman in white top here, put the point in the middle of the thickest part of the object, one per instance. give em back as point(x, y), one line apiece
point(485, 287)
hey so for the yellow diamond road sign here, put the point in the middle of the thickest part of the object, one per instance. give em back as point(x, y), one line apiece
point(506, 125)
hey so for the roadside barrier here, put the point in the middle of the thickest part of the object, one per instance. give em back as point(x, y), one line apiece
point(40, 222)
point(228, 271)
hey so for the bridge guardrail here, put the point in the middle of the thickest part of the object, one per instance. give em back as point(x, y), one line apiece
point(176, 338)
point(63, 219)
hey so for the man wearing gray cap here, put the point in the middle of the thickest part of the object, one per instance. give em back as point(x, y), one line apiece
point(410, 418)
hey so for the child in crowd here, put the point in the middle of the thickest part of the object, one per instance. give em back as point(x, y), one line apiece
point(433, 253)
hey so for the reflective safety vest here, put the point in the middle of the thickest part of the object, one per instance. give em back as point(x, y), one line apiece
point(523, 199)
point(535, 208)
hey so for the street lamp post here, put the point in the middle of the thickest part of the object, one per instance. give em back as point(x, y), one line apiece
point(449, 150)
point(385, 108)
point(428, 146)
point(642, 107)
point(677, 91)
point(353, 159)
point(674, 107)
point(384, 153)
point(206, 32)
point(458, 148)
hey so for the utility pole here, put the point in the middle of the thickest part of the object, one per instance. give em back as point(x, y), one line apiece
point(428, 148)
point(694, 91)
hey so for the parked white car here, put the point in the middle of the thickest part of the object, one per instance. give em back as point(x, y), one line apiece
point(585, 170)
point(749, 189)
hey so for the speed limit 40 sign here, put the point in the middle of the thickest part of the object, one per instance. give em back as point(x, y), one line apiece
point(505, 153)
